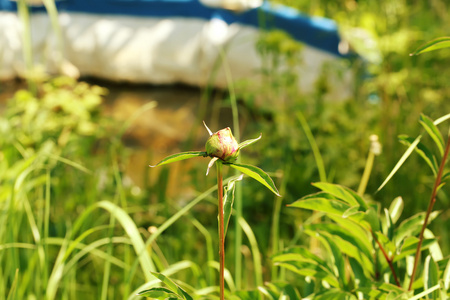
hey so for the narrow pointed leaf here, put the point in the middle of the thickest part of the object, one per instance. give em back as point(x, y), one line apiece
point(228, 201)
point(249, 142)
point(441, 119)
point(257, 174)
point(401, 161)
point(180, 156)
point(423, 151)
point(433, 131)
point(439, 43)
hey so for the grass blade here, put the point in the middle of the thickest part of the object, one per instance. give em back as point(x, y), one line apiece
point(432, 130)
point(439, 43)
point(401, 161)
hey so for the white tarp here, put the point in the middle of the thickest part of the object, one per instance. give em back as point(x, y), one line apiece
point(149, 50)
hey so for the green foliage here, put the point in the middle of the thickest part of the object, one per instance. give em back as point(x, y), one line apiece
point(365, 249)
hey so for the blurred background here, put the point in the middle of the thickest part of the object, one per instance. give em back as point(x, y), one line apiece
point(92, 92)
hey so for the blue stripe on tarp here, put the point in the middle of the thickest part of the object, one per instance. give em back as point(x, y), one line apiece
point(320, 33)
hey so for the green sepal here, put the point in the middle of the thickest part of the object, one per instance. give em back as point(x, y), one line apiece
point(249, 142)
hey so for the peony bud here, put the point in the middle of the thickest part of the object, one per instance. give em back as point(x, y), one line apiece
point(223, 145)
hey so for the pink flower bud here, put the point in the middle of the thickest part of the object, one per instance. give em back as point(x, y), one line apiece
point(223, 145)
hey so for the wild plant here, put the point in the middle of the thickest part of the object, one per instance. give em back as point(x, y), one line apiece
point(223, 149)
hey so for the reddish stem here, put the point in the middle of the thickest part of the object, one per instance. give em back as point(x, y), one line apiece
point(389, 260)
point(221, 229)
point(437, 183)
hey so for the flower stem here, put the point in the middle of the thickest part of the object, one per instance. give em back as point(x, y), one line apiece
point(221, 229)
point(437, 183)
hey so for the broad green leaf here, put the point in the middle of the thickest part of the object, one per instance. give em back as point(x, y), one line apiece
point(446, 276)
point(412, 226)
point(342, 193)
point(352, 250)
point(435, 249)
point(336, 255)
point(334, 294)
point(298, 253)
point(439, 43)
point(433, 131)
point(228, 201)
point(360, 273)
point(401, 161)
point(159, 293)
point(248, 142)
point(423, 151)
point(180, 156)
point(312, 270)
point(257, 174)
point(336, 207)
point(396, 209)
point(409, 247)
point(356, 230)
point(430, 276)
point(347, 242)
point(173, 286)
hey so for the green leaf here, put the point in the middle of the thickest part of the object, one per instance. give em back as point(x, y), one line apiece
point(446, 276)
point(257, 174)
point(248, 295)
point(423, 151)
point(409, 247)
point(173, 286)
point(349, 243)
point(432, 130)
point(430, 276)
point(159, 293)
point(298, 253)
point(401, 161)
point(342, 193)
point(228, 201)
point(396, 209)
point(336, 255)
point(312, 270)
point(334, 294)
point(180, 156)
point(248, 142)
point(335, 207)
point(412, 226)
point(439, 43)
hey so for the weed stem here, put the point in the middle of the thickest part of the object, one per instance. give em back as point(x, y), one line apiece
point(437, 183)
